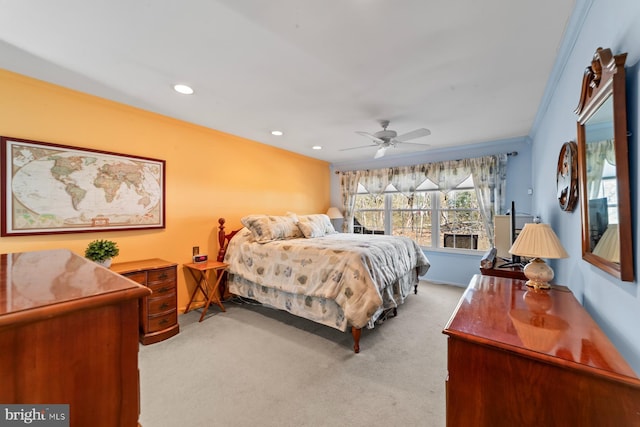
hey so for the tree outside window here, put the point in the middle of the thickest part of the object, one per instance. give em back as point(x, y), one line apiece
point(458, 225)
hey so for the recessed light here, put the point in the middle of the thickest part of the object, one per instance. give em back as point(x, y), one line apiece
point(317, 147)
point(183, 89)
point(277, 132)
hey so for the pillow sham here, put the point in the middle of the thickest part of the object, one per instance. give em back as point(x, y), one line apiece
point(267, 228)
point(316, 225)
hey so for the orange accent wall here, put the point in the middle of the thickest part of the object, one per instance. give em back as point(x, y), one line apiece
point(209, 174)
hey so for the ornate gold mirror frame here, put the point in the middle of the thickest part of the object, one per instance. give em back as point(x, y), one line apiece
point(604, 166)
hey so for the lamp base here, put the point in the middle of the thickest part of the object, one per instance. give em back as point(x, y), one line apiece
point(538, 273)
point(538, 285)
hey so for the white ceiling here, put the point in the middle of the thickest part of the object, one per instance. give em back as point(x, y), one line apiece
point(471, 71)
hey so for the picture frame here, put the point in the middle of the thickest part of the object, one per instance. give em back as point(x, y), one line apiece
point(49, 188)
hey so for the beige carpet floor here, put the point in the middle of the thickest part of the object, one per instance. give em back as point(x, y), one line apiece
point(256, 366)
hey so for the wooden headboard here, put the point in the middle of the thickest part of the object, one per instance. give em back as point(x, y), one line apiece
point(223, 239)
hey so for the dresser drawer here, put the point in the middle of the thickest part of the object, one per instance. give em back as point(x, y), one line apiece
point(161, 275)
point(158, 323)
point(161, 305)
point(162, 289)
point(138, 277)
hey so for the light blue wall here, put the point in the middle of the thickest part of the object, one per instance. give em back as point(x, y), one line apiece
point(452, 268)
point(615, 305)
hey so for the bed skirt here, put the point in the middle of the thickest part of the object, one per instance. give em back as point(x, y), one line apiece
point(320, 310)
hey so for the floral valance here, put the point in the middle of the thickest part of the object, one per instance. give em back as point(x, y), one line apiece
point(488, 172)
point(445, 176)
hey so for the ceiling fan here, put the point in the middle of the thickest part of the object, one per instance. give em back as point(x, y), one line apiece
point(389, 138)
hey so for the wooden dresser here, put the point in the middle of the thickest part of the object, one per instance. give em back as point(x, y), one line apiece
point(69, 335)
point(517, 357)
point(159, 311)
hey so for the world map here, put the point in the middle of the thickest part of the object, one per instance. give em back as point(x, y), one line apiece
point(58, 188)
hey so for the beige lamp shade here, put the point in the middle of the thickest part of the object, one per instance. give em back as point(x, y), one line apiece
point(609, 245)
point(538, 241)
point(334, 213)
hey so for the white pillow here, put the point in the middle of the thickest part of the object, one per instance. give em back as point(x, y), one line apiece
point(267, 228)
point(316, 225)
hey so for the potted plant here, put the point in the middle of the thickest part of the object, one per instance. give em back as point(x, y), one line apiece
point(102, 251)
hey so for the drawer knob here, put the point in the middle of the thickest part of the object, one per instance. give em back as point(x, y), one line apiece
point(163, 276)
point(164, 305)
point(164, 289)
point(164, 321)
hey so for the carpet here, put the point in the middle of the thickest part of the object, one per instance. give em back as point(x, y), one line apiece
point(257, 366)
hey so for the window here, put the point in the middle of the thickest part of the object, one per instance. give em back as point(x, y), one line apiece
point(453, 217)
point(609, 188)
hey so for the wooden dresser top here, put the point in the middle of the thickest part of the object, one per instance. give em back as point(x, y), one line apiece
point(545, 325)
point(141, 265)
point(41, 284)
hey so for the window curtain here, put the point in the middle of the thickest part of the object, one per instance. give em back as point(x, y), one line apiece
point(597, 154)
point(349, 188)
point(406, 179)
point(376, 180)
point(449, 174)
point(489, 177)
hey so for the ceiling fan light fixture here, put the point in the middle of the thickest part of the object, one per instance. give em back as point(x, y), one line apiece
point(380, 152)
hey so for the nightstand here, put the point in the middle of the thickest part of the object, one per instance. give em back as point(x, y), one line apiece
point(201, 273)
point(158, 311)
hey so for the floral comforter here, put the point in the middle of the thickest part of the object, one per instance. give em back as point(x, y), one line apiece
point(353, 270)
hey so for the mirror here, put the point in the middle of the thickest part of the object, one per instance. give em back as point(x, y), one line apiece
point(604, 166)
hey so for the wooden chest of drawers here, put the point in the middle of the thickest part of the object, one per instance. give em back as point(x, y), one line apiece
point(158, 311)
point(520, 357)
point(69, 334)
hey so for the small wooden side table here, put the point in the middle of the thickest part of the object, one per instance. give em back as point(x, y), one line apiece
point(201, 273)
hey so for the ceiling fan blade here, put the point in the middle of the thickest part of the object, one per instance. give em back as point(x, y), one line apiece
point(380, 152)
point(361, 146)
point(418, 133)
point(412, 143)
point(368, 135)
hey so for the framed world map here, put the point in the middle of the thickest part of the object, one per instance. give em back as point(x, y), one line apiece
point(50, 188)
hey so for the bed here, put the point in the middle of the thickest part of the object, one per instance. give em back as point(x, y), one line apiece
point(302, 265)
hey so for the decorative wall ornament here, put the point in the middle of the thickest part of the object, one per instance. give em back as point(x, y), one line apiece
point(50, 188)
point(567, 176)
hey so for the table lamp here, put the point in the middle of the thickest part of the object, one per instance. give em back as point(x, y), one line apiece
point(334, 213)
point(538, 241)
point(608, 247)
